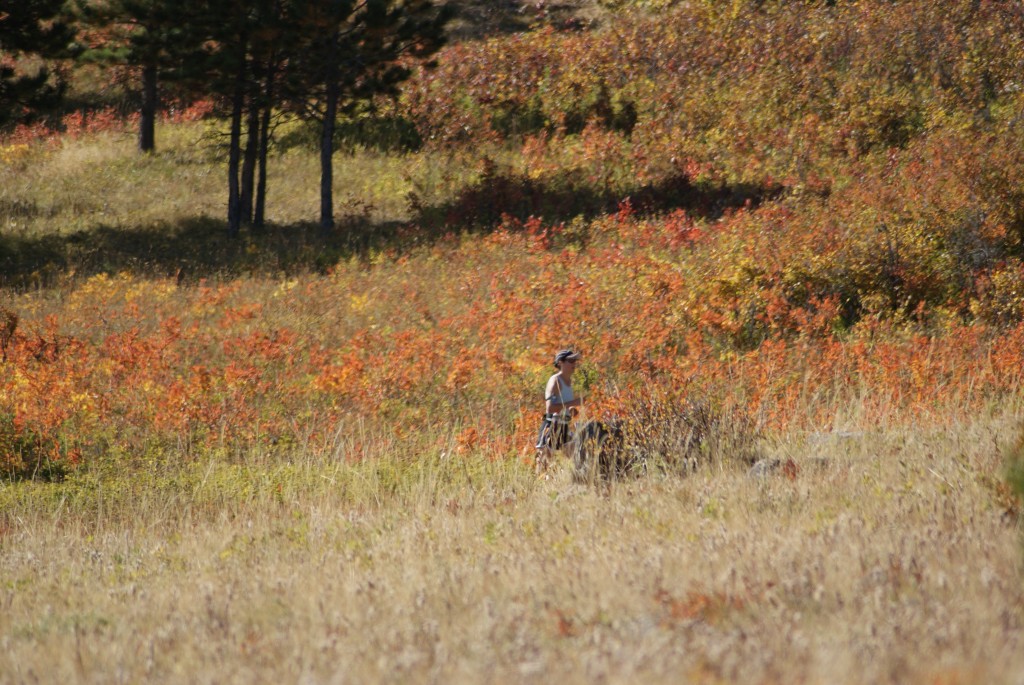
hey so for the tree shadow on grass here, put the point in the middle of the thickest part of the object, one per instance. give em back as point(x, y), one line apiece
point(189, 250)
point(498, 196)
point(199, 247)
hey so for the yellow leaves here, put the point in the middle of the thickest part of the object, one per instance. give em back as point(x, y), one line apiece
point(82, 400)
point(159, 290)
point(120, 287)
point(462, 372)
point(344, 378)
point(736, 10)
point(20, 380)
point(529, 359)
point(285, 287)
point(95, 284)
point(358, 302)
point(15, 155)
point(1001, 299)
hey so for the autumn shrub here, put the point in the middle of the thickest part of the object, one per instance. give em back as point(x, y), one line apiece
point(1000, 295)
point(459, 334)
point(917, 233)
point(679, 435)
point(517, 86)
point(766, 90)
point(27, 453)
point(908, 236)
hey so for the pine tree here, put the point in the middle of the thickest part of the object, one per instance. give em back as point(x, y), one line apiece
point(246, 44)
point(311, 57)
point(353, 52)
point(150, 35)
point(254, 58)
point(31, 32)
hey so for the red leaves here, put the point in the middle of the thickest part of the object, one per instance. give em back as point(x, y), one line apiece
point(698, 606)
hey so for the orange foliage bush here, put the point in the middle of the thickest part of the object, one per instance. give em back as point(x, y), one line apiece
point(716, 315)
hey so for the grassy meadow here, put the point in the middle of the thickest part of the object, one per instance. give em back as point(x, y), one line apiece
point(888, 564)
point(306, 458)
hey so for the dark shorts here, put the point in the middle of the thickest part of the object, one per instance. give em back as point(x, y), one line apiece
point(553, 433)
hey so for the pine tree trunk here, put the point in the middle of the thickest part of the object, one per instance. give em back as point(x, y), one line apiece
point(259, 215)
point(147, 112)
point(249, 162)
point(327, 159)
point(234, 155)
point(261, 181)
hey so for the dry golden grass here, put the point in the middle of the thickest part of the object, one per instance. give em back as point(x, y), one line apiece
point(885, 558)
point(100, 181)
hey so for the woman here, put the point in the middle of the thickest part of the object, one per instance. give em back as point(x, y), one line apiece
point(560, 406)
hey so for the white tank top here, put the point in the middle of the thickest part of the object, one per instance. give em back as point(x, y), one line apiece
point(563, 392)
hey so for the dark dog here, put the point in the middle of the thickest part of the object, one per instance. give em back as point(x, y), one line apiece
point(598, 452)
point(656, 438)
